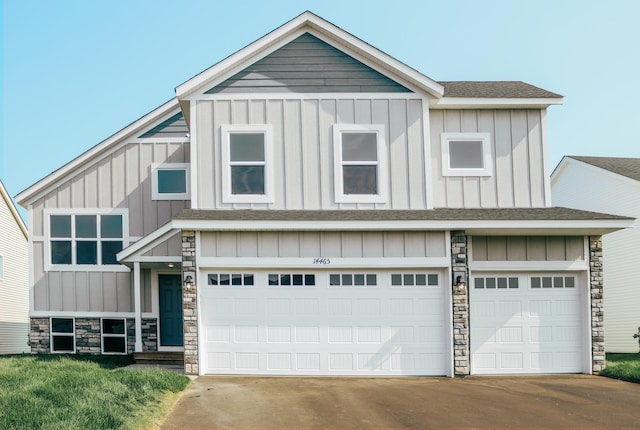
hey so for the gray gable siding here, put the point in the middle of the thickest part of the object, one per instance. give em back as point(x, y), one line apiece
point(175, 126)
point(308, 65)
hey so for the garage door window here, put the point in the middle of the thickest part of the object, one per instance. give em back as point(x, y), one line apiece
point(553, 282)
point(292, 279)
point(353, 280)
point(414, 280)
point(497, 282)
point(230, 279)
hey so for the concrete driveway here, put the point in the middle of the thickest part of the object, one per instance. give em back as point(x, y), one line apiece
point(523, 402)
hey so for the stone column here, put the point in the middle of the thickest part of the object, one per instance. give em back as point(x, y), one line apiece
point(189, 302)
point(597, 303)
point(460, 274)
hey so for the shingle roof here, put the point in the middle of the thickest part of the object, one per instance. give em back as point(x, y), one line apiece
point(495, 89)
point(629, 167)
point(511, 214)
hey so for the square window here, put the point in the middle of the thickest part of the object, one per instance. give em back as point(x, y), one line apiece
point(248, 280)
point(502, 282)
point(212, 279)
point(111, 226)
point(170, 181)
point(109, 251)
point(421, 280)
point(372, 279)
point(236, 279)
point(274, 279)
point(224, 279)
point(87, 252)
point(113, 326)
point(86, 226)
point(60, 225)
point(297, 280)
point(432, 279)
point(358, 279)
point(408, 279)
point(513, 282)
point(479, 283)
point(247, 163)
point(62, 335)
point(490, 282)
point(62, 343)
point(396, 279)
point(114, 345)
point(310, 279)
point(61, 252)
point(347, 280)
point(359, 163)
point(535, 282)
point(466, 154)
point(569, 282)
point(334, 279)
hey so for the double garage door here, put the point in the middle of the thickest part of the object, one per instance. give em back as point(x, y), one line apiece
point(285, 322)
point(527, 323)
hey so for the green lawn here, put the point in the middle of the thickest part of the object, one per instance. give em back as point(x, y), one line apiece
point(623, 366)
point(83, 392)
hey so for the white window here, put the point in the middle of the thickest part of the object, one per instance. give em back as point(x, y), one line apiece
point(114, 335)
point(170, 181)
point(85, 239)
point(360, 173)
point(415, 280)
point(292, 279)
point(231, 279)
point(63, 335)
point(247, 165)
point(466, 154)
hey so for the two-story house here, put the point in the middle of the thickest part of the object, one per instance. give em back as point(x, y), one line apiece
point(14, 278)
point(312, 206)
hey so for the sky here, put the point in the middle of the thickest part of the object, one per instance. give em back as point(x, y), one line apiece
point(75, 72)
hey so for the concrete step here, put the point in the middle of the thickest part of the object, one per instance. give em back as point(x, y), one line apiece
point(159, 357)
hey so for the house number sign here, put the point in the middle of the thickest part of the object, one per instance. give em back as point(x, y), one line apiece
point(322, 261)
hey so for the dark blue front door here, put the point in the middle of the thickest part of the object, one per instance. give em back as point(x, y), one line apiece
point(170, 310)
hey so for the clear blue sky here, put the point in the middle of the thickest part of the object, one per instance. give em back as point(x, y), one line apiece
point(75, 72)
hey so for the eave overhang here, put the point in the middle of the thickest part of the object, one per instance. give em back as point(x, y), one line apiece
point(493, 103)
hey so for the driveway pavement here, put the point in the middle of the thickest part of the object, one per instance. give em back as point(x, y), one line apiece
point(522, 402)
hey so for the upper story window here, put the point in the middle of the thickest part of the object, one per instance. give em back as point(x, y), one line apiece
point(170, 181)
point(83, 239)
point(466, 154)
point(359, 163)
point(247, 164)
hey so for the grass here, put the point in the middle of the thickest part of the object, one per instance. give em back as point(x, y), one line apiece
point(83, 392)
point(625, 367)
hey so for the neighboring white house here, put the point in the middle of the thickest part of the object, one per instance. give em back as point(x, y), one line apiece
point(312, 206)
point(14, 278)
point(611, 185)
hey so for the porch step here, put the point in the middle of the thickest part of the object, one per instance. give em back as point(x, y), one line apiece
point(159, 357)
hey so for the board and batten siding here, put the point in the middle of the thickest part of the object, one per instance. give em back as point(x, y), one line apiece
point(14, 284)
point(303, 149)
point(528, 248)
point(120, 179)
point(593, 189)
point(322, 244)
point(517, 149)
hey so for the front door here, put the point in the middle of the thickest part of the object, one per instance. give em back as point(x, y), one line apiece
point(170, 292)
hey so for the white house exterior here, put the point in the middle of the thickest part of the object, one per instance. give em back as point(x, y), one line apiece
point(612, 185)
point(312, 206)
point(14, 278)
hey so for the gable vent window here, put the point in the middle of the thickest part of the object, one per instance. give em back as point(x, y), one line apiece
point(85, 239)
point(360, 163)
point(247, 165)
point(466, 154)
point(170, 181)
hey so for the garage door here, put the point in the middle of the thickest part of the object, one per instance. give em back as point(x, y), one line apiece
point(324, 323)
point(526, 323)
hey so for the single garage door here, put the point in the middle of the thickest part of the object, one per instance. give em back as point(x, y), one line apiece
point(353, 322)
point(528, 323)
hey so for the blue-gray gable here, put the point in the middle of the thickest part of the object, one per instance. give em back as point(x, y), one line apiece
point(175, 126)
point(308, 65)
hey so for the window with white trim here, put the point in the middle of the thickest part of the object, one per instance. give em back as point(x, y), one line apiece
point(553, 282)
point(114, 335)
point(170, 181)
point(353, 280)
point(63, 335)
point(414, 280)
point(231, 279)
point(85, 239)
point(466, 154)
point(292, 279)
point(359, 154)
point(247, 163)
point(493, 282)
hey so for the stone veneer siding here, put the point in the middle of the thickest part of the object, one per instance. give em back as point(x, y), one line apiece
point(149, 334)
point(597, 303)
point(87, 335)
point(189, 304)
point(460, 294)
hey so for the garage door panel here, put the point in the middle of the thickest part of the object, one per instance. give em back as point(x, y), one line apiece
point(528, 329)
point(326, 329)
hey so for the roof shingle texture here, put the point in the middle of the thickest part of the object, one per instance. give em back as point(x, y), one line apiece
point(629, 167)
point(512, 214)
point(495, 89)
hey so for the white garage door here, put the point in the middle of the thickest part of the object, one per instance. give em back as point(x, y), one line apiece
point(527, 323)
point(324, 323)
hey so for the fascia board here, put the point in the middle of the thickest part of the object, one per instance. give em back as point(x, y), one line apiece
point(560, 168)
point(147, 242)
point(14, 212)
point(493, 103)
point(495, 227)
point(289, 31)
point(33, 192)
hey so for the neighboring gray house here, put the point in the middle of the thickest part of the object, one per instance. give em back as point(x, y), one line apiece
point(613, 185)
point(14, 278)
point(312, 206)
